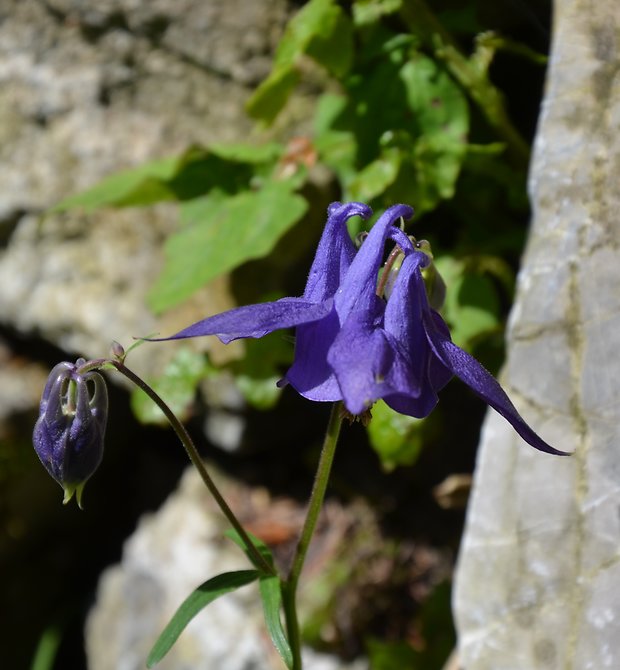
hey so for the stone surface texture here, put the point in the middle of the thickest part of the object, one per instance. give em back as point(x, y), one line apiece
point(168, 556)
point(539, 571)
point(89, 87)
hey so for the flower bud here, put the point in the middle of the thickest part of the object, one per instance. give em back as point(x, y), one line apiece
point(68, 435)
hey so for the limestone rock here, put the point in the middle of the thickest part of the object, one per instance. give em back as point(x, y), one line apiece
point(539, 571)
point(170, 554)
point(88, 88)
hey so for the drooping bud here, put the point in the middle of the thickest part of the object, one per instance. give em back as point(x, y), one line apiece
point(68, 435)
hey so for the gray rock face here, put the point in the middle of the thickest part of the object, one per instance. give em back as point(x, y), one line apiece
point(539, 571)
point(90, 87)
point(169, 555)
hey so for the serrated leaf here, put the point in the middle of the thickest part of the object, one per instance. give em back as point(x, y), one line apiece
point(177, 386)
point(397, 438)
point(271, 596)
point(220, 234)
point(205, 594)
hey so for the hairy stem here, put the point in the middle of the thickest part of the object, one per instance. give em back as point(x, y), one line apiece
point(289, 587)
point(194, 457)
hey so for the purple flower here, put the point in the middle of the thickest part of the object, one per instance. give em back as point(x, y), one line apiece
point(354, 345)
point(68, 435)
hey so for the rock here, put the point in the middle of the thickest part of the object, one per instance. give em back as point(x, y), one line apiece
point(89, 88)
point(539, 569)
point(169, 555)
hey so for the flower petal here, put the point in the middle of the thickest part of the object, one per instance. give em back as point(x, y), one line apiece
point(483, 384)
point(311, 375)
point(255, 320)
point(362, 358)
point(335, 252)
point(359, 286)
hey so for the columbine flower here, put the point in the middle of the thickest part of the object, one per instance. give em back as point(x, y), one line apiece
point(68, 435)
point(352, 344)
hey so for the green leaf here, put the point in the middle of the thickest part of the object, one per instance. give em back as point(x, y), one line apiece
point(193, 173)
point(263, 549)
point(258, 373)
point(252, 154)
point(271, 595)
point(272, 94)
point(472, 305)
point(375, 177)
point(320, 29)
point(397, 438)
point(368, 12)
point(332, 45)
point(206, 593)
point(138, 186)
point(221, 233)
point(177, 385)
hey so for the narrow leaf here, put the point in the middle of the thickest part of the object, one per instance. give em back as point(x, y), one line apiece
point(272, 600)
point(264, 550)
point(206, 593)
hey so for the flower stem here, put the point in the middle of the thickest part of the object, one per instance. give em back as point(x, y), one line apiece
point(194, 457)
point(289, 587)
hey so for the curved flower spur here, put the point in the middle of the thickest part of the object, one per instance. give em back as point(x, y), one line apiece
point(357, 346)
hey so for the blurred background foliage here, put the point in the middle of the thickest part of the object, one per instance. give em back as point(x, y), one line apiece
point(404, 110)
point(429, 103)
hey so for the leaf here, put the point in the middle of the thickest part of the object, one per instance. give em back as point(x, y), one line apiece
point(259, 371)
point(206, 593)
point(368, 12)
point(177, 385)
point(375, 177)
point(320, 29)
point(397, 438)
point(271, 596)
point(220, 234)
point(272, 94)
point(332, 45)
point(193, 173)
point(472, 305)
point(263, 549)
point(138, 186)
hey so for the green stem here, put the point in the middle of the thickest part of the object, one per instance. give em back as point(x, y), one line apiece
point(289, 587)
point(194, 457)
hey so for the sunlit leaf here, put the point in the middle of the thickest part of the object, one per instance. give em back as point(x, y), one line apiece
point(321, 30)
point(205, 594)
point(375, 177)
point(221, 233)
point(367, 12)
point(397, 438)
